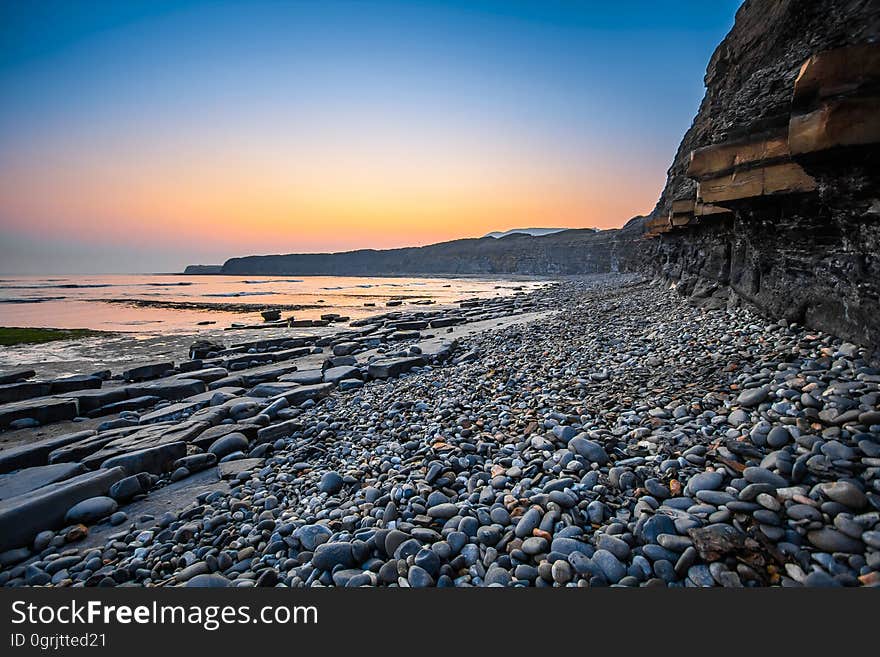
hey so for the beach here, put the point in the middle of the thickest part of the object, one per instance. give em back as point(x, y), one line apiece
point(633, 439)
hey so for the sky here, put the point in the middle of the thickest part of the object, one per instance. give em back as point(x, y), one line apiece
point(141, 136)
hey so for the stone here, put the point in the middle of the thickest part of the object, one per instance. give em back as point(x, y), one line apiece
point(705, 481)
point(831, 540)
point(150, 459)
point(331, 483)
point(753, 396)
point(44, 410)
point(231, 442)
point(390, 368)
point(588, 449)
point(28, 479)
point(25, 516)
point(329, 555)
point(845, 493)
point(89, 510)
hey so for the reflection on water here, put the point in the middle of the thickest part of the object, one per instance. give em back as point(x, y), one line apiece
point(76, 301)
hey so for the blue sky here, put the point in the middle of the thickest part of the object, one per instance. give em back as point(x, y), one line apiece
point(195, 131)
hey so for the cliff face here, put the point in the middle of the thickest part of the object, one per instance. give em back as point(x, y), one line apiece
point(566, 252)
point(774, 194)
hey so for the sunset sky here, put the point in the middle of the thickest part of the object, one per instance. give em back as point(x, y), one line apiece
point(142, 136)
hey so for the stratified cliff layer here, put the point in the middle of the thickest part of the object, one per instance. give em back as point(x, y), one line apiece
point(566, 252)
point(774, 194)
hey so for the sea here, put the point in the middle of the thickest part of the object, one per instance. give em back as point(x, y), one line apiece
point(163, 304)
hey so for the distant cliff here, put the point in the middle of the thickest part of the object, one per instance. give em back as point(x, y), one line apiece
point(560, 253)
point(773, 197)
point(202, 269)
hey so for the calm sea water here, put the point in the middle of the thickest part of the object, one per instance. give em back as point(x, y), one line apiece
point(82, 301)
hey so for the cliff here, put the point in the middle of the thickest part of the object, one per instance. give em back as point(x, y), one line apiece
point(565, 252)
point(773, 197)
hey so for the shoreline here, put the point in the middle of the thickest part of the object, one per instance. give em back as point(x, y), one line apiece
point(632, 440)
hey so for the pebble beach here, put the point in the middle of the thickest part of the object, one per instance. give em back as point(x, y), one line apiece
point(632, 440)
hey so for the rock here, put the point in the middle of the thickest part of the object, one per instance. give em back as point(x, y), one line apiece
point(25, 516)
point(337, 374)
point(15, 376)
point(588, 449)
point(301, 394)
point(151, 459)
point(75, 382)
point(443, 511)
point(752, 397)
point(331, 483)
point(831, 540)
point(329, 555)
point(208, 580)
point(845, 493)
point(42, 410)
point(34, 454)
point(145, 372)
point(90, 510)
point(389, 368)
point(231, 442)
point(28, 479)
point(170, 388)
point(311, 536)
point(705, 481)
point(611, 568)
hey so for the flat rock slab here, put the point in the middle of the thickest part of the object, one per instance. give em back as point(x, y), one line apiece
point(389, 368)
point(144, 372)
point(89, 400)
point(304, 377)
point(208, 436)
point(186, 407)
point(14, 376)
point(149, 436)
point(265, 373)
point(81, 448)
point(24, 516)
point(28, 479)
point(437, 349)
point(134, 404)
point(44, 410)
point(337, 374)
point(27, 456)
point(207, 374)
point(152, 459)
point(303, 393)
point(13, 392)
point(76, 382)
point(171, 388)
point(273, 389)
point(231, 469)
